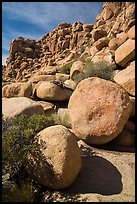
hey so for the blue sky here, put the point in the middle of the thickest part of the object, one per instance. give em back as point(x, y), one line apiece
point(32, 20)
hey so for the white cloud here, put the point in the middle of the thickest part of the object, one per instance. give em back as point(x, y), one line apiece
point(48, 13)
point(43, 16)
point(4, 58)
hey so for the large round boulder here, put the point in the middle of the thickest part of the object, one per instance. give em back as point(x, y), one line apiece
point(98, 110)
point(58, 161)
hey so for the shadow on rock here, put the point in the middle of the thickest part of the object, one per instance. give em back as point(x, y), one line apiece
point(97, 175)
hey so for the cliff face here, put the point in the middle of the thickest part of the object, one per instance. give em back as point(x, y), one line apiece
point(27, 57)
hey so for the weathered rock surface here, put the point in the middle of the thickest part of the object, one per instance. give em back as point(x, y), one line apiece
point(122, 58)
point(131, 33)
point(50, 91)
point(37, 78)
point(98, 110)
point(77, 67)
point(48, 107)
point(58, 162)
point(126, 78)
point(17, 89)
point(15, 106)
point(70, 84)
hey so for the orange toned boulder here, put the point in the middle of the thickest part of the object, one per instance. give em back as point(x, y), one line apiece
point(77, 67)
point(58, 161)
point(131, 32)
point(98, 110)
point(52, 92)
point(126, 78)
point(125, 53)
point(114, 43)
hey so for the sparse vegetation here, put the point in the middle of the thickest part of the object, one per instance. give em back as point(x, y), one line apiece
point(64, 120)
point(66, 68)
point(99, 69)
point(18, 140)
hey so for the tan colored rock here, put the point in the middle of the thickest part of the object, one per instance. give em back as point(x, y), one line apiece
point(114, 43)
point(131, 33)
point(58, 162)
point(37, 78)
point(102, 42)
point(62, 77)
point(98, 110)
point(70, 84)
point(15, 106)
point(98, 33)
point(100, 23)
point(127, 137)
point(125, 53)
point(104, 55)
point(50, 91)
point(126, 78)
point(17, 89)
point(123, 36)
point(77, 67)
point(87, 27)
point(48, 107)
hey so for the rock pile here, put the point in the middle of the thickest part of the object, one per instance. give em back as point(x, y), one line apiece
point(114, 26)
point(100, 110)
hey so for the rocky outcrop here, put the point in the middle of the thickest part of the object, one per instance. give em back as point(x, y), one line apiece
point(59, 161)
point(98, 110)
point(116, 24)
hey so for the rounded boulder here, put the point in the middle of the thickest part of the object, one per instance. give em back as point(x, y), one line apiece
point(58, 161)
point(98, 110)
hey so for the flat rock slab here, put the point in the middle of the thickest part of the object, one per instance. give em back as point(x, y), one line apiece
point(106, 176)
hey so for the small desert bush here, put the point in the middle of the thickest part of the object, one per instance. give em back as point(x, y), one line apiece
point(61, 120)
point(66, 68)
point(100, 69)
point(18, 139)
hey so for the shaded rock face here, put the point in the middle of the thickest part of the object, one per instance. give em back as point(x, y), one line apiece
point(98, 110)
point(59, 161)
point(28, 56)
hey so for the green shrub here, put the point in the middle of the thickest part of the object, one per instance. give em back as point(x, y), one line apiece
point(99, 69)
point(61, 120)
point(66, 68)
point(18, 140)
